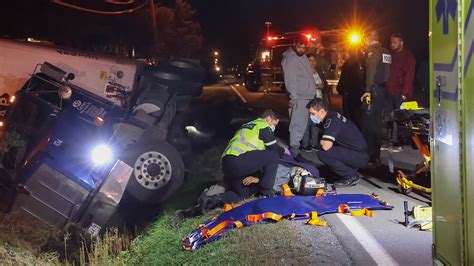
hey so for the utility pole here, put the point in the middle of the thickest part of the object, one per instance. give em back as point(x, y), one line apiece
point(268, 24)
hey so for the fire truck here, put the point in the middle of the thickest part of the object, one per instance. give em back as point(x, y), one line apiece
point(265, 68)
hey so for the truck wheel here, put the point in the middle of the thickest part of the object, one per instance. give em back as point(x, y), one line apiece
point(191, 89)
point(176, 83)
point(251, 83)
point(158, 171)
point(189, 69)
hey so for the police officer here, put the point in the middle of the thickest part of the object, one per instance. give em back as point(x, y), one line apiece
point(378, 62)
point(343, 147)
point(253, 149)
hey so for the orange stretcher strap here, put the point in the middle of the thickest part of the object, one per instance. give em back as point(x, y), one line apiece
point(238, 224)
point(314, 220)
point(228, 207)
point(320, 192)
point(424, 149)
point(286, 190)
point(345, 209)
point(211, 232)
point(259, 217)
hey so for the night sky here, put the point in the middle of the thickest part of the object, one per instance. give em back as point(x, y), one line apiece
point(234, 26)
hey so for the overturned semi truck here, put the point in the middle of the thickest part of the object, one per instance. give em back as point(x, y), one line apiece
point(85, 131)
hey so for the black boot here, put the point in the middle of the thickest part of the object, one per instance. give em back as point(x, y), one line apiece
point(352, 181)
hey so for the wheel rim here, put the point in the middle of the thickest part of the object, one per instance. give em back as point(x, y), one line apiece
point(152, 170)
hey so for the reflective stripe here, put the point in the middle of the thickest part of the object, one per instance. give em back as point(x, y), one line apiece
point(245, 143)
point(247, 139)
point(236, 149)
point(270, 143)
point(329, 137)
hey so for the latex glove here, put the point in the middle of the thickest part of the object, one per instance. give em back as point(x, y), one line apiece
point(287, 152)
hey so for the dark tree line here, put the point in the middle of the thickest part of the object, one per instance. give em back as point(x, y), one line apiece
point(178, 33)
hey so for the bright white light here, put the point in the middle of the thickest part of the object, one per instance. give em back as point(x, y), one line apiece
point(101, 154)
point(192, 130)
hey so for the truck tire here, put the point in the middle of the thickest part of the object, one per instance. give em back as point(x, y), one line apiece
point(189, 69)
point(176, 83)
point(158, 171)
point(251, 83)
point(191, 89)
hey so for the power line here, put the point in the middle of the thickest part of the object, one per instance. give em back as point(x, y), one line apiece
point(85, 9)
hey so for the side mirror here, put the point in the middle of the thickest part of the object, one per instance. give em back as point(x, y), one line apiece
point(65, 92)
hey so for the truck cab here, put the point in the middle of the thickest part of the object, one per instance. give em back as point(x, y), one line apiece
point(73, 153)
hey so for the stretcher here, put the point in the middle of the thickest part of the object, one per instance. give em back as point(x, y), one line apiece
point(290, 207)
point(413, 129)
point(406, 183)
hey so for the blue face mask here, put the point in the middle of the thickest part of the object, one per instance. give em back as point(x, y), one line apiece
point(314, 119)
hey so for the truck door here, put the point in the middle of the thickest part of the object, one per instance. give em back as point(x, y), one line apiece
point(452, 117)
point(468, 130)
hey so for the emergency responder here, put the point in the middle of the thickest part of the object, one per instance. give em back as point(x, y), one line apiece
point(400, 80)
point(378, 61)
point(343, 147)
point(300, 85)
point(351, 84)
point(253, 149)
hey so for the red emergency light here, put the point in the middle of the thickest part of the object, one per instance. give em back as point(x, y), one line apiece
point(310, 36)
point(272, 38)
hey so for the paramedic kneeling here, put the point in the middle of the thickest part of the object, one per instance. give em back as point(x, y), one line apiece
point(253, 149)
point(343, 147)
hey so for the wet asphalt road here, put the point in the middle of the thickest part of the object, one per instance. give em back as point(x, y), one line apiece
point(365, 241)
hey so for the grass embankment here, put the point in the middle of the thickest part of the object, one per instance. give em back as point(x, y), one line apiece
point(20, 241)
point(267, 244)
point(160, 244)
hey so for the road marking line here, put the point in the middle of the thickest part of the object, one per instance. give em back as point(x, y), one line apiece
point(238, 94)
point(370, 244)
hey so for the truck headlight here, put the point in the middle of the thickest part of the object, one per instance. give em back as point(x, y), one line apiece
point(101, 155)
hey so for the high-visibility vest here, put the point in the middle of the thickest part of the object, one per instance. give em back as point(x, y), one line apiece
point(247, 138)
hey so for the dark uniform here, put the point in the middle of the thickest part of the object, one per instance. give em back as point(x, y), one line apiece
point(252, 150)
point(349, 150)
point(377, 71)
point(350, 86)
